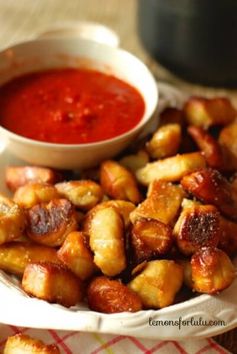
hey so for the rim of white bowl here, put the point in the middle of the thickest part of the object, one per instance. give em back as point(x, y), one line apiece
point(90, 30)
point(144, 120)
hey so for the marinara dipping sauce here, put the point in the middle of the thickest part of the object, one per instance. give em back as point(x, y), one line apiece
point(69, 106)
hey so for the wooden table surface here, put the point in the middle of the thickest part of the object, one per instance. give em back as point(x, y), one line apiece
point(23, 19)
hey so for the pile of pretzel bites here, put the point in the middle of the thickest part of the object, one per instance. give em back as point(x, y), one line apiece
point(130, 234)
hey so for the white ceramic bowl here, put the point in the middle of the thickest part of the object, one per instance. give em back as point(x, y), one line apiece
point(55, 53)
point(83, 29)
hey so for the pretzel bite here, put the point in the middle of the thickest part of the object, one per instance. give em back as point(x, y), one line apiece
point(123, 207)
point(211, 187)
point(163, 203)
point(165, 142)
point(83, 194)
point(158, 283)
point(12, 220)
point(23, 344)
point(15, 256)
point(150, 238)
point(18, 176)
point(34, 193)
point(135, 161)
point(212, 270)
point(172, 115)
point(228, 142)
point(228, 237)
point(171, 169)
point(49, 224)
point(209, 146)
point(53, 283)
point(197, 226)
point(111, 296)
point(205, 112)
point(118, 182)
point(106, 233)
point(77, 256)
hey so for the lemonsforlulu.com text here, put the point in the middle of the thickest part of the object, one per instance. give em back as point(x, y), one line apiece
point(180, 322)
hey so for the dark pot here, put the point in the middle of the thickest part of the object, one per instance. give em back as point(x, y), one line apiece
point(195, 39)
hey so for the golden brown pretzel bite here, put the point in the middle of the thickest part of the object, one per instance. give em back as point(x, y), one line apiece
point(18, 176)
point(122, 206)
point(111, 296)
point(136, 161)
point(118, 182)
point(228, 142)
point(171, 169)
point(163, 203)
point(158, 283)
point(204, 112)
point(165, 142)
point(210, 147)
point(211, 187)
point(150, 238)
point(83, 194)
point(212, 270)
point(198, 226)
point(49, 224)
point(106, 233)
point(77, 256)
point(12, 220)
point(15, 256)
point(34, 193)
point(23, 344)
point(53, 283)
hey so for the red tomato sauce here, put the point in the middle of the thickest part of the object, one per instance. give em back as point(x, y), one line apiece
point(69, 106)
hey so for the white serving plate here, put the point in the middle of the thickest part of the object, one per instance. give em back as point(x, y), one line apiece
point(16, 308)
